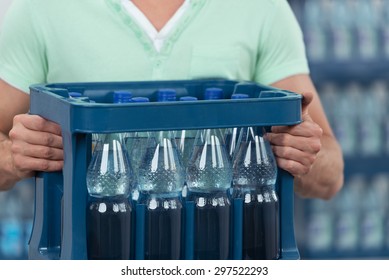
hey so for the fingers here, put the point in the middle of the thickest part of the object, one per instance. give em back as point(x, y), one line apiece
point(305, 144)
point(307, 99)
point(36, 144)
point(37, 123)
point(27, 164)
point(22, 134)
point(307, 128)
point(296, 147)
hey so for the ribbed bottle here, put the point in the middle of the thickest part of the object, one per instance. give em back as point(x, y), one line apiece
point(109, 181)
point(208, 177)
point(161, 179)
point(254, 178)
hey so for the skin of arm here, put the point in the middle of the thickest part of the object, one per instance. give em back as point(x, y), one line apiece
point(27, 143)
point(309, 151)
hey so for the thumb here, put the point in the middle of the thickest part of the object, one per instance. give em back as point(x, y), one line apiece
point(307, 99)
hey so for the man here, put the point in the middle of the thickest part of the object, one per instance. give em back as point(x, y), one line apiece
point(116, 40)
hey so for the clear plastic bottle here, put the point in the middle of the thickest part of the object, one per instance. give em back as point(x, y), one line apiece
point(254, 178)
point(136, 146)
point(209, 176)
point(11, 226)
point(232, 134)
point(185, 141)
point(161, 179)
point(109, 181)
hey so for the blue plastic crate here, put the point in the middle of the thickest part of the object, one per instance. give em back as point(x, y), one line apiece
point(52, 239)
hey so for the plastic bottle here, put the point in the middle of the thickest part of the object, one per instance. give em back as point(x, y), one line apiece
point(346, 219)
point(341, 28)
point(109, 181)
point(209, 175)
point(11, 227)
point(161, 179)
point(185, 141)
point(372, 119)
point(185, 138)
point(372, 223)
point(314, 27)
point(232, 134)
point(367, 30)
point(254, 178)
point(136, 146)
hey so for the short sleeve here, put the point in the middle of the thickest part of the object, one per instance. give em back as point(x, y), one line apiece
point(282, 49)
point(22, 53)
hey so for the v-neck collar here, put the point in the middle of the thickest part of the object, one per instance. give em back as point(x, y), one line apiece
point(157, 37)
point(173, 28)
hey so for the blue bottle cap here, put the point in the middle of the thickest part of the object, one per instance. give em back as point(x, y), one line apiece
point(213, 93)
point(167, 94)
point(74, 94)
point(239, 96)
point(140, 99)
point(188, 98)
point(122, 96)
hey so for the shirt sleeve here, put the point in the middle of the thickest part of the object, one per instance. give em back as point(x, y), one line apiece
point(22, 53)
point(282, 50)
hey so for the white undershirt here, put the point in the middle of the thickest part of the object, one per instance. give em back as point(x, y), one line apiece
point(158, 38)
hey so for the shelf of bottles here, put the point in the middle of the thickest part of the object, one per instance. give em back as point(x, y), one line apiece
point(16, 218)
point(347, 43)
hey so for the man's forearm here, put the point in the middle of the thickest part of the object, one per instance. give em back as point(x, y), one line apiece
point(8, 176)
point(326, 176)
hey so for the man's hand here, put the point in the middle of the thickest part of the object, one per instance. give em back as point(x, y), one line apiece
point(296, 147)
point(36, 145)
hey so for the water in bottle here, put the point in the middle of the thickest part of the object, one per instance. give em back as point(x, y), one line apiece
point(109, 181)
point(161, 179)
point(232, 134)
point(209, 177)
point(254, 178)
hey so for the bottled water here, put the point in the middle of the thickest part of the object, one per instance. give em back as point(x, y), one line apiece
point(209, 177)
point(185, 140)
point(232, 133)
point(315, 31)
point(341, 27)
point(346, 217)
point(254, 178)
point(11, 226)
point(136, 146)
point(161, 179)
point(372, 225)
point(109, 181)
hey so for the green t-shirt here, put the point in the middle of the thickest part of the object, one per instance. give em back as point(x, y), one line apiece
point(45, 41)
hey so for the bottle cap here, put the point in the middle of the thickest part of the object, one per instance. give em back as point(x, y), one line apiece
point(188, 98)
point(239, 96)
point(122, 96)
point(167, 94)
point(140, 99)
point(74, 94)
point(213, 93)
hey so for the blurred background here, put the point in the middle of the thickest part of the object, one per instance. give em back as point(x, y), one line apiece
point(347, 43)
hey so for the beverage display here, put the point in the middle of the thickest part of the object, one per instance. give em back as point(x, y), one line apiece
point(254, 178)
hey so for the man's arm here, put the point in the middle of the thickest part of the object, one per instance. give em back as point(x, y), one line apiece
point(12, 102)
point(34, 144)
point(309, 151)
